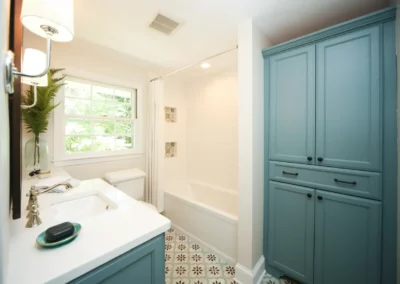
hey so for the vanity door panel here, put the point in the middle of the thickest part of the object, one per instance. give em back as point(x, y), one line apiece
point(144, 264)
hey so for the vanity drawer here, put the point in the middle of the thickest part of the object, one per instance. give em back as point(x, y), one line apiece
point(357, 183)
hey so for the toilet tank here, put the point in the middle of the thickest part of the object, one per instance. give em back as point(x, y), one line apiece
point(129, 181)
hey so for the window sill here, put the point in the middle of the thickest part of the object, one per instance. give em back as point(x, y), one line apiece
point(72, 161)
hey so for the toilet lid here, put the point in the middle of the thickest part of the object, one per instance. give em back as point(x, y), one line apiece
point(125, 175)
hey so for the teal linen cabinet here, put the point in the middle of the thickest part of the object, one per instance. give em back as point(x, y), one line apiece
point(291, 242)
point(348, 112)
point(292, 105)
point(347, 239)
point(331, 156)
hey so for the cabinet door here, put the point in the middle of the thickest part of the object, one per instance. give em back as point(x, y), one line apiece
point(292, 106)
point(347, 239)
point(291, 230)
point(348, 111)
point(144, 264)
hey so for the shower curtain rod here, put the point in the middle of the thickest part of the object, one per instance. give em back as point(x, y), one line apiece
point(188, 66)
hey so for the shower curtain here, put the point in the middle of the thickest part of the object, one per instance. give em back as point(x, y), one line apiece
point(155, 145)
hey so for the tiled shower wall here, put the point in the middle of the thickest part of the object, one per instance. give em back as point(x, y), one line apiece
point(212, 133)
point(206, 130)
point(174, 96)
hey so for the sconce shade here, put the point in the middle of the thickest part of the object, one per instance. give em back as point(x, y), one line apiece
point(57, 14)
point(34, 63)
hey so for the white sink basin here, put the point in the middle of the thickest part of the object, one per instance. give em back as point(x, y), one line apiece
point(76, 208)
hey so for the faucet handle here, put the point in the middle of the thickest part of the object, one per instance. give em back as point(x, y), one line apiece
point(33, 193)
point(34, 219)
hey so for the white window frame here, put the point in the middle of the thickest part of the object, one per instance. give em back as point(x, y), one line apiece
point(61, 158)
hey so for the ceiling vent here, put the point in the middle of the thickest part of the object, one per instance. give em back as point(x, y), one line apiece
point(163, 24)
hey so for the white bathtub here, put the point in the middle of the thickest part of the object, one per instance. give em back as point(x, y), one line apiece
point(207, 214)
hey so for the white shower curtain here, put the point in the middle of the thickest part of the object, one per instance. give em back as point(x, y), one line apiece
point(155, 145)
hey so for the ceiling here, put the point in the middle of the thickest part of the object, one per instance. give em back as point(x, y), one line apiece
point(207, 26)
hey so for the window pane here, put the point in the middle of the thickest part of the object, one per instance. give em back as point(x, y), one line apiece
point(123, 111)
point(103, 127)
point(78, 126)
point(123, 96)
point(77, 90)
point(123, 127)
point(78, 144)
point(123, 143)
point(77, 106)
point(103, 143)
point(102, 93)
point(103, 109)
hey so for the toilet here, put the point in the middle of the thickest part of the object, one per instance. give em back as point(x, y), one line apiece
point(130, 182)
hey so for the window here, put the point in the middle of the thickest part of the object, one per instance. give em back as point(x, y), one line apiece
point(97, 120)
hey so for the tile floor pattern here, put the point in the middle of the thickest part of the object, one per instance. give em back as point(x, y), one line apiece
point(188, 263)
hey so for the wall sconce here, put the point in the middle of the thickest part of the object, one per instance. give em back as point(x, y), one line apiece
point(34, 63)
point(51, 19)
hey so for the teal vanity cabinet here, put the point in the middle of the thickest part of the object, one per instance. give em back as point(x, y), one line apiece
point(331, 155)
point(144, 264)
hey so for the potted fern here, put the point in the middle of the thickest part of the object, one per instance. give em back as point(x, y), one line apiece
point(37, 121)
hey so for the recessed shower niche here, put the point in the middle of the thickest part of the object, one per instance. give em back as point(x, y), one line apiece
point(170, 114)
point(170, 149)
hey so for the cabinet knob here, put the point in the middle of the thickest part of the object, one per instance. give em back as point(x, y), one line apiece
point(320, 159)
point(309, 158)
point(309, 195)
point(320, 198)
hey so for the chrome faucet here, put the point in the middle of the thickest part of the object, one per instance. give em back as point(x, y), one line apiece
point(33, 205)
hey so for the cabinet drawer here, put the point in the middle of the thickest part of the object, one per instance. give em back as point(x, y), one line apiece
point(357, 183)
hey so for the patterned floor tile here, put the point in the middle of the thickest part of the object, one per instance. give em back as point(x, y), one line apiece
point(196, 257)
point(217, 281)
point(200, 281)
point(214, 270)
point(211, 258)
point(197, 270)
point(228, 271)
point(180, 270)
point(181, 257)
point(186, 262)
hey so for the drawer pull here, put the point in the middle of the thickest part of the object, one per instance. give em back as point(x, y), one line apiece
point(346, 182)
point(290, 174)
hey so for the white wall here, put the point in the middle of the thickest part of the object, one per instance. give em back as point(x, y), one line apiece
point(88, 61)
point(212, 133)
point(250, 265)
point(4, 150)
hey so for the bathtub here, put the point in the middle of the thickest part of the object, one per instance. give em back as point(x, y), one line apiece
point(207, 214)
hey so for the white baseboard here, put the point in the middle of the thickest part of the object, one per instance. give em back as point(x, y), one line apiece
point(244, 275)
point(205, 245)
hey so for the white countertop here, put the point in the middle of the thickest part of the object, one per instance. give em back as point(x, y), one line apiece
point(102, 238)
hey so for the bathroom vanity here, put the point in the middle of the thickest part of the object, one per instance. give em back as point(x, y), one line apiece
point(121, 241)
point(331, 157)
